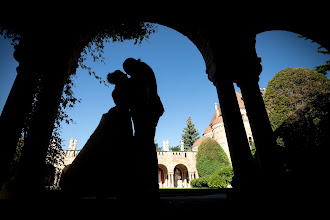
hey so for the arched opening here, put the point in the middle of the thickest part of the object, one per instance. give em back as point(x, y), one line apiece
point(162, 175)
point(181, 80)
point(181, 178)
point(179, 68)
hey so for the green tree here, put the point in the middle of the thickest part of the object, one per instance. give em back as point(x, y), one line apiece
point(175, 148)
point(190, 134)
point(210, 157)
point(298, 104)
point(157, 146)
point(295, 89)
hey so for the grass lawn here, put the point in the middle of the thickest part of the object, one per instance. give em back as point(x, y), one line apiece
point(191, 191)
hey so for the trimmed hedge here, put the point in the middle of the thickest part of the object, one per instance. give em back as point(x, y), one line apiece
point(210, 157)
point(220, 179)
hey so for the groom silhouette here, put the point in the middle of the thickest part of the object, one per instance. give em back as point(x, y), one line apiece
point(146, 109)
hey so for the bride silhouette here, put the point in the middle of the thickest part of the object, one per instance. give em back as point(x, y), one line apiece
point(97, 169)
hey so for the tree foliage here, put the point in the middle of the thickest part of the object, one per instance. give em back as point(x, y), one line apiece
point(190, 134)
point(298, 104)
point(294, 89)
point(210, 157)
point(175, 148)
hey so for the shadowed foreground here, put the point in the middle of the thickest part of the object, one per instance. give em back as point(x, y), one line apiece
point(226, 203)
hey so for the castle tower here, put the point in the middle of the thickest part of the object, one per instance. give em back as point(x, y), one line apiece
point(182, 145)
point(166, 145)
point(71, 145)
point(75, 144)
point(217, 110)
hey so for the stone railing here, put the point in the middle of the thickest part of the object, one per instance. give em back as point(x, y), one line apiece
point(173, 154)
point(71, 153)
point(177, 154)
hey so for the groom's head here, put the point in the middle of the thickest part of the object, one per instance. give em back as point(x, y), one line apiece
point(130, 65)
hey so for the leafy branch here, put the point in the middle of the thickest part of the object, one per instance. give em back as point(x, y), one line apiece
point(323, 69)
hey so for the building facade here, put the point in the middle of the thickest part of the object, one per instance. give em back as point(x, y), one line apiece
point(177, 168)
point(216, 129)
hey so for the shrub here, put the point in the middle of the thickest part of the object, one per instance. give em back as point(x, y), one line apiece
point(216, 181)
point(210, 157)
point(226, 173)
point(220, 179)
point(200, 182)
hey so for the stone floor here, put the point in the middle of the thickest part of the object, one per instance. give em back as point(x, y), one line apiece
point(224, 205)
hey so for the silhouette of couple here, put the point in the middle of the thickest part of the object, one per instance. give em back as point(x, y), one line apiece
point(113, 162)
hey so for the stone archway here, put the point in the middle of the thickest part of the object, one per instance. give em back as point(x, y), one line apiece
point(234, 47)
point(162, 175)
point(180, 178)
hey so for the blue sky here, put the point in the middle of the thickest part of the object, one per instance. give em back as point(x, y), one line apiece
point(180, 72)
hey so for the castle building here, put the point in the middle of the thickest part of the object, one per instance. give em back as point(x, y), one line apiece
point(216, 129)
point(177, 168)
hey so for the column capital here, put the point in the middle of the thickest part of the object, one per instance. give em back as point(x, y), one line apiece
point(247, 60)
point(251, 72)
point(235, 60)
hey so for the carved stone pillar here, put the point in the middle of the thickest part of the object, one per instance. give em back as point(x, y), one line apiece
point(235, 132)
point(192, 176)
point(166, 181)
point(261, 129)
point(17, 106)
point(57, 56)
point(226, 62)
point(171, 180)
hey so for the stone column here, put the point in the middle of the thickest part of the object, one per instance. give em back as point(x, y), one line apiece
point(18, 105)
point(228, 61)
point(185, 185)
point(170, 184)
point(190, 177)
point(40, 129)
point(166, 181)
point(235, 132)
point(55, 63)
point(261, 129)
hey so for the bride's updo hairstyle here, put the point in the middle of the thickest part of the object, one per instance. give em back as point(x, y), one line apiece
point(116, 77)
